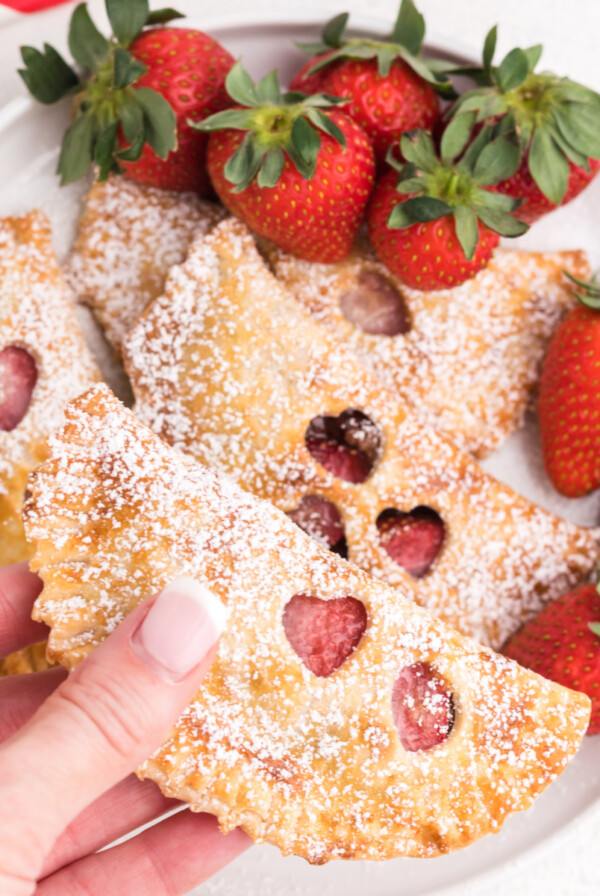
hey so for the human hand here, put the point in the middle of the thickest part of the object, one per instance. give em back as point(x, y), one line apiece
point(69, 743)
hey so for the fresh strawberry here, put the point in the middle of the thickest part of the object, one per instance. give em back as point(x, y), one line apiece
point(562, 643)
point(134, 95)
point(569, 403)
point(293, 169)
point(391, 88)
point(188, 68)
point(555, 121)
point(433, 224)
point(535, 204)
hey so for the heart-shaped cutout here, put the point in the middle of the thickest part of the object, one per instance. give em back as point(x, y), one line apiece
point(18, 376)
point(321, 519)
point(375, 306)
point(324, 632)
point(413, 540)
point(348, 446)
point(422, 706)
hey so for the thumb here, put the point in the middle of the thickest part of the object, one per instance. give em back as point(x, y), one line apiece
point(106, 718)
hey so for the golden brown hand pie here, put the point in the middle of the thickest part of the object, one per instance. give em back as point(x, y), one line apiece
point(129, 235)
point(417, 743)
point(465, 359)
point(230, 368)
point(44, 362)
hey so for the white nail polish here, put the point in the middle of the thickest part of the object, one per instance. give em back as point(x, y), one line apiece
point(181, 627)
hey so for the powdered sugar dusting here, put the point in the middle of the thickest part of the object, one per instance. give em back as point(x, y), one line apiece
point(314, 765)
point(128, 237)
point(228, 367)
point(470, 362)
point(36, 314)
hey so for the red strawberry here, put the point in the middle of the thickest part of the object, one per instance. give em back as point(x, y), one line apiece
point(324, 632)
point(392, 90)
point(535, 204)
point(554, 121)
point(134, 95)
point(569, 403)
point(347, 446)
point(294, 171)
point(561, 645)
point(434, 225)
point(188, 68)
point(413, 540)
point(422, 706)
point(18, 376)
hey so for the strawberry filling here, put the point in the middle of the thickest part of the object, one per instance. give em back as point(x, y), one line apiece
point(324, 632)
point(347, 446)
point(18, 376)
point(413, 540)
point(321, 519)
point(422, 707)
point(375, 306)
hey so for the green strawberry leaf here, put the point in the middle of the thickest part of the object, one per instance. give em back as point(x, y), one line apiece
point(46, 75)
point(127, 18)
point(267, 89)
point(324, 123)
point(578, 158)
point(243, 165)
point(272, 167)
point(594, 627)
point(240, 87)
point(88, 46)
point(456, 136)
point(77, 148)
point(417, 210)
point(409, 28)
point(162, 16)
point(411, 185)
point(236, 119)
point(497, 161)
point(496, 200)
point(489, 47)
point(467, 230)
point(579, 129)
point(160, 121)
point(499, 221)
point(590, 294)
point(385, 57)
point(104, 151)
point(131, 116)
point(304, 168)
point(334, 30)
point(533, 56)
point(305, 141)
point(548, 166)
point(127, 69)
point(513, 69)
point(474, 149)
point(417, 147)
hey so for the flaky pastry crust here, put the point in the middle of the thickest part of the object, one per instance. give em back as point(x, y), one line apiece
point(228, 367)
point(128, 237)
point(470, 362)
point(313, 765)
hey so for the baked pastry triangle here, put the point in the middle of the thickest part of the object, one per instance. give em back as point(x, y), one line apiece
point(44, 362)
point(466, 359)
point(419, 741)
point(230, 368)
point(128, 237)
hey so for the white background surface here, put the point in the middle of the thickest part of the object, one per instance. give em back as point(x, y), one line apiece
point(570, 32)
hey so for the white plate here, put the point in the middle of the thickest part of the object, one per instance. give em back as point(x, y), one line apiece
point(29, 137)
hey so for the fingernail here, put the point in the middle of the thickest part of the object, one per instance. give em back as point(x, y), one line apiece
point(182, 625)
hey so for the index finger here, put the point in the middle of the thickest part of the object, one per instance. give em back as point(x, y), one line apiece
point(18, 590)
